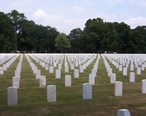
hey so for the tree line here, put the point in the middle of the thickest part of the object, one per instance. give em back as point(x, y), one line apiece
point(19, 34)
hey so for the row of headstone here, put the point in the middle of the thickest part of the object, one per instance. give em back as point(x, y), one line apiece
point(125, 72)
point(37, 72)
point(68, 64)
point(16, 78)
point(12, 91)
point(58, 75)
point(109, 70)
point(119, 87)
point(7, 62)
point(134, 61)
point(6, 57)
point(51, 91)
point(76, 71)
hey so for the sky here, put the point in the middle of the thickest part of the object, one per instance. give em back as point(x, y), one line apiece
point(66, 15)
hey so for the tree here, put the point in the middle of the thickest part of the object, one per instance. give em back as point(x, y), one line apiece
point(139, 39)
point(5, 33)
point(17, 19)
point(93, 34)
point(62, 42)
point(75, 40)
point(125, 37)
point(52, 34)
point(25, 40)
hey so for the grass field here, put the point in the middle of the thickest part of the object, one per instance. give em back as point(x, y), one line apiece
point(32, 100)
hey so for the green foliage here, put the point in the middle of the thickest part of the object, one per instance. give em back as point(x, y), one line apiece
point(5, 33)
point(18, 33)
point(62, 42)
point(16, 21)
point(76, 40)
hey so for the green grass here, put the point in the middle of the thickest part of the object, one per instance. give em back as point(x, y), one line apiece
point(32, 100)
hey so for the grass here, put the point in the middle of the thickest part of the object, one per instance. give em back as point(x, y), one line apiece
point(32, 100)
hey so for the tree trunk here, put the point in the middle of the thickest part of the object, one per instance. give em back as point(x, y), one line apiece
point(15, 43)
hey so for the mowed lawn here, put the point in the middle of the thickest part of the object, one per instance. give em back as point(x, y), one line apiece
point(32, 100)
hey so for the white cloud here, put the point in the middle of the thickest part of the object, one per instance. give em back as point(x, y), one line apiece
point(134, 22)
point(74, 14)
point(39, 14)
point(77, 9)
point(58, 21)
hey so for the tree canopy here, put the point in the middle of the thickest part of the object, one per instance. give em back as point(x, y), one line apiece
point(16, 22)
point(62, 42)
point(18, 33)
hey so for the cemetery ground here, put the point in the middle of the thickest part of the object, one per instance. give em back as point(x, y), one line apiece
point(32, 99)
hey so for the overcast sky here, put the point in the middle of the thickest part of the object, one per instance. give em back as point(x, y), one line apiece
point(66, 15)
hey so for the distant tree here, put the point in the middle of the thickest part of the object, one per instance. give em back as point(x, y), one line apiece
point(25, 40)
point(139, 39)
point(125, 44)
point(52, 34)
point(62, 42)
point(110, 38)
point(75, 40)
point(6, 44)
point(17, 19)
point(93, 34)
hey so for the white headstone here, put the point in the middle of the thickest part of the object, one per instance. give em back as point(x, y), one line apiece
point(51, 93)
point(42, 81)
point(109, 71)
point(94, 72)
point(59, 66)
point(15, 81)
point(87, 91)
point(77, 63)
point(51, 69)
point(67, 80)
point(118, 88)
point(132, 77)
point(125, 71)
point(112, 78)
point(91, 79)
point(142, 67)
point(46, 67)
point(34, 68)
point(72, 66)
point(139, 70)
point(76, 73)
point(43, 64)
point(58, 73)
point(81, 69)
point(17, 73)
point(1, 70)
point(143, 86)
point(51, 61)
point(120, 67)
point(123, 112)
point(132, 67)
point(12, 96)
point(38, 74)
point(66, 69)
point(117, 65)
point(55, 64)
point(65, 63)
